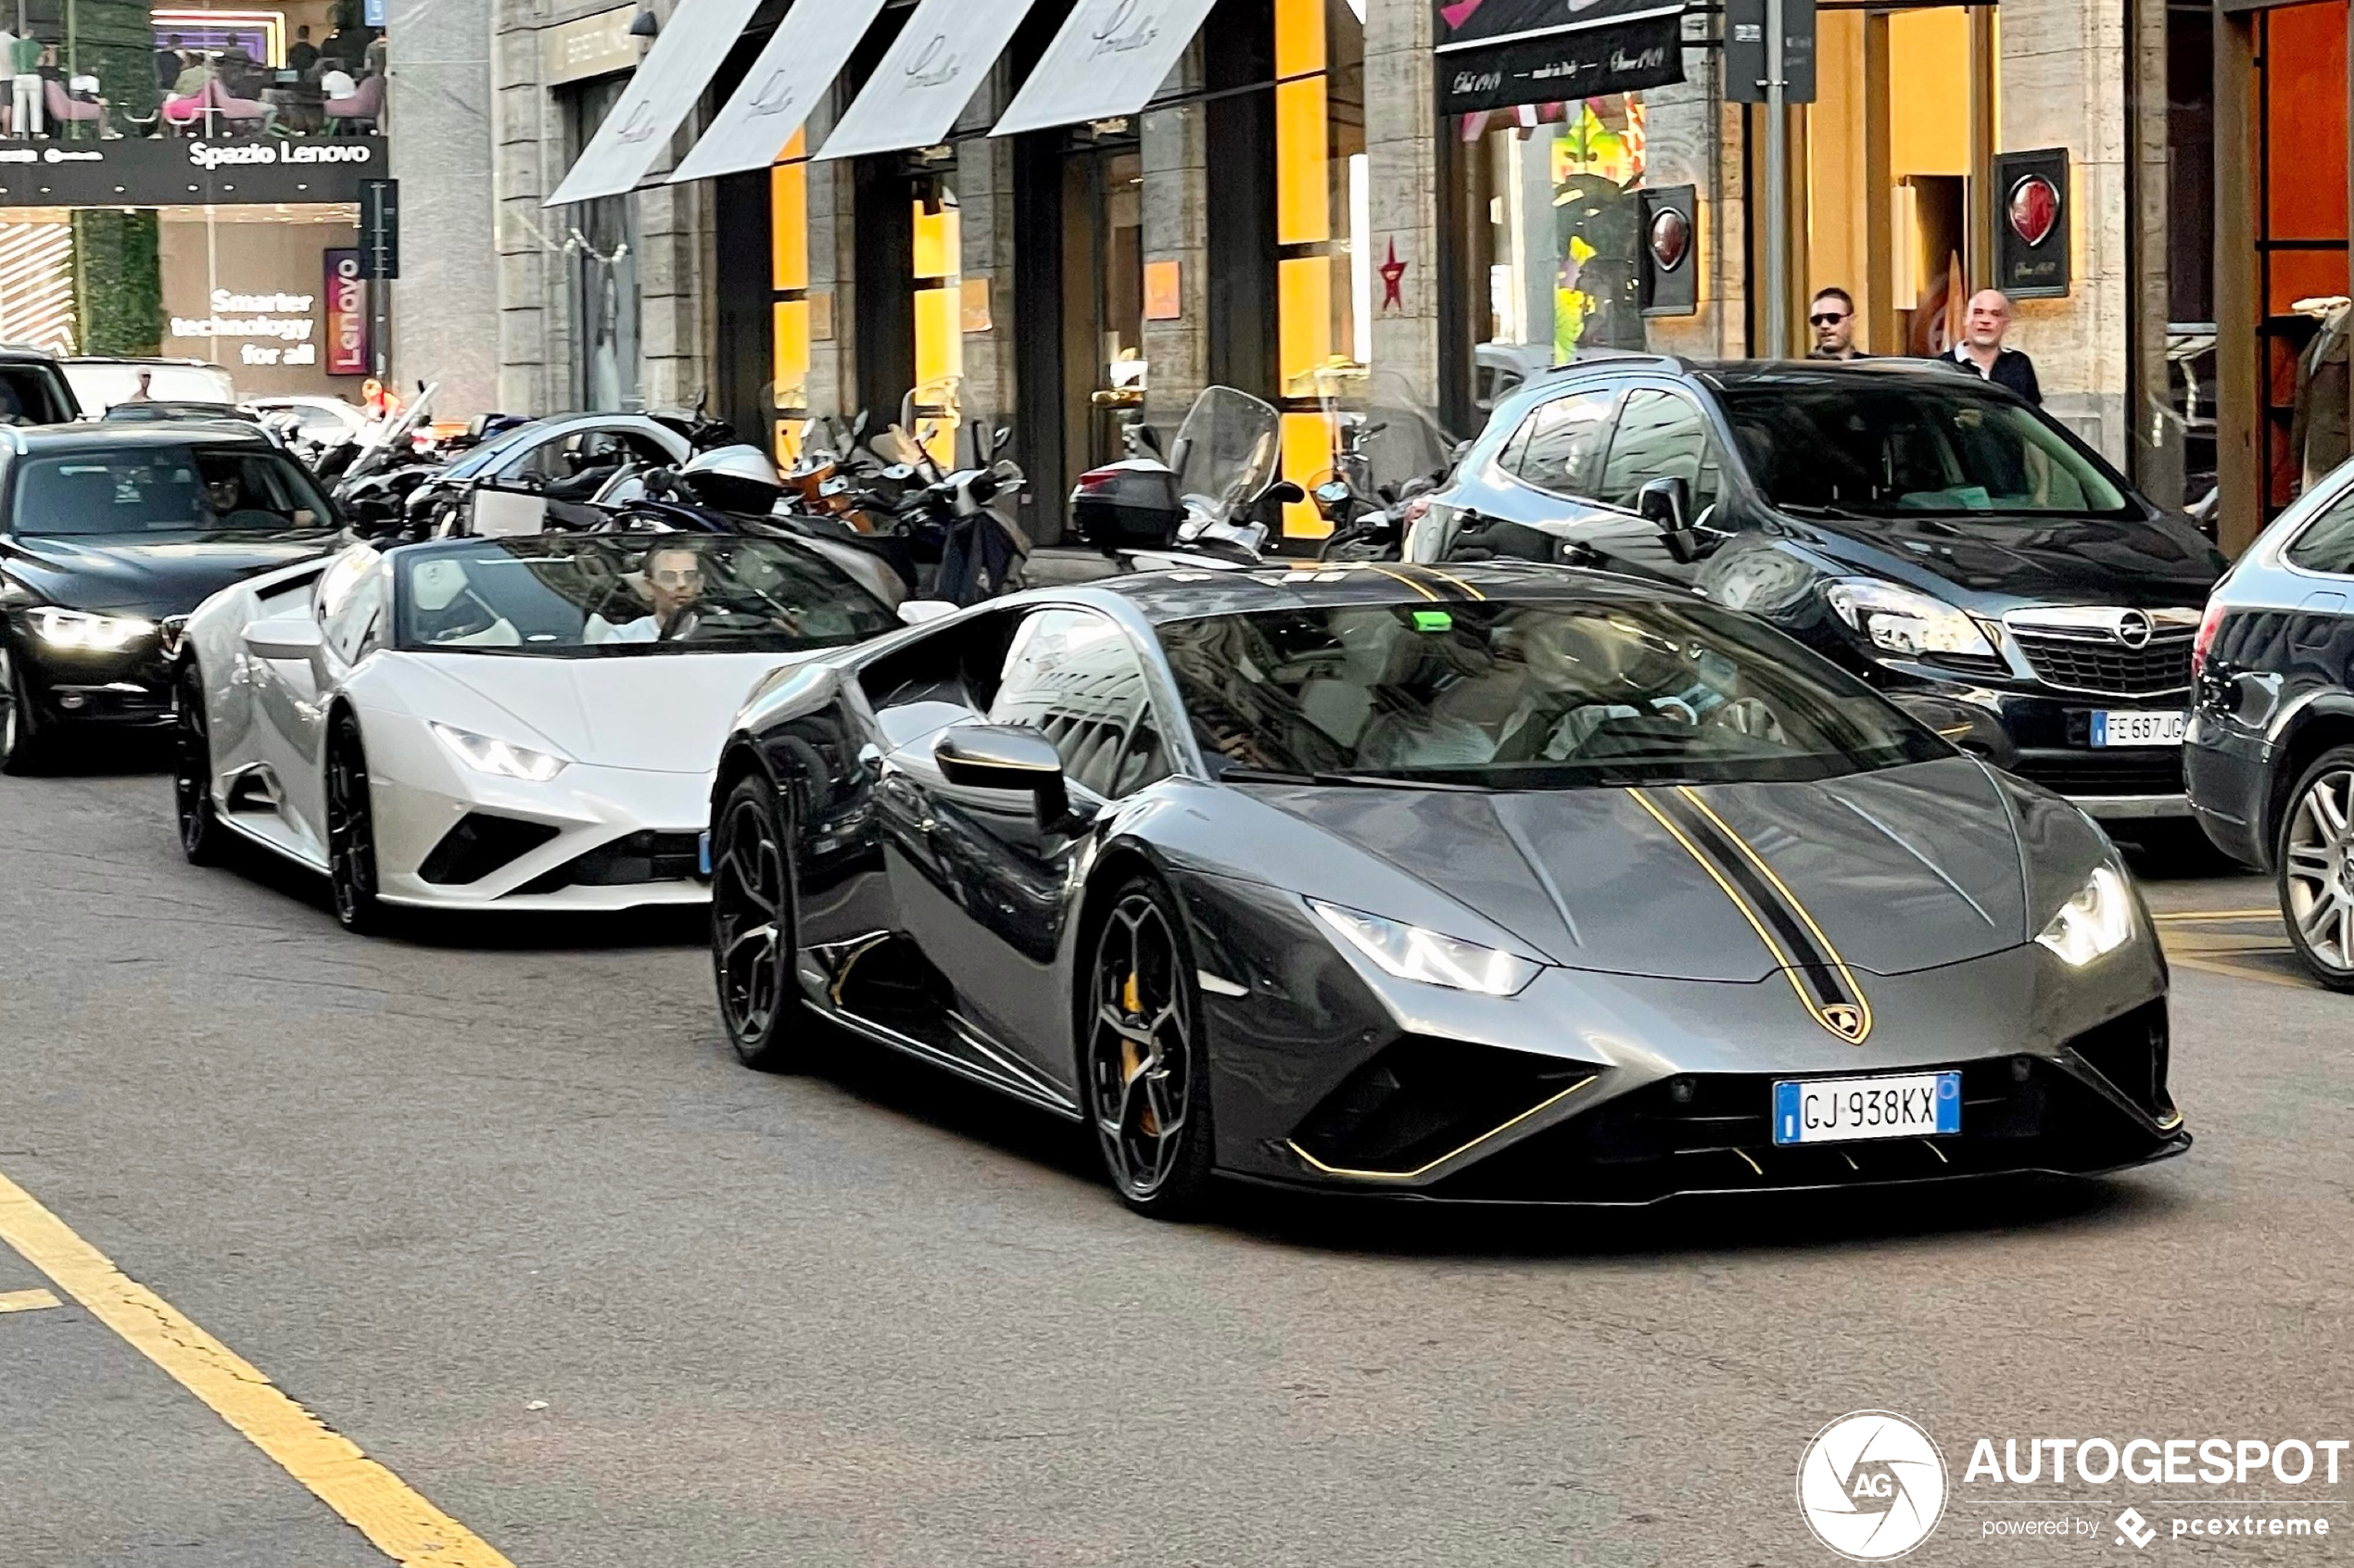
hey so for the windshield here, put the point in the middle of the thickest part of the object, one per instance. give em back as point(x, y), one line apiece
point(167, 490)
point(1944, 444)
point(101, 384)
point(594, 596)
point(1532, 695)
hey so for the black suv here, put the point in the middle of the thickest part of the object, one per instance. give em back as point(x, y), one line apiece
point(1959, 549)
point(2272, 746)
point(109, 535)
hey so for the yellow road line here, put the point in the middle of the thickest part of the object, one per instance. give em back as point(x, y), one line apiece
point(27, 1300)
point(2235, 972)
point(375, 1501)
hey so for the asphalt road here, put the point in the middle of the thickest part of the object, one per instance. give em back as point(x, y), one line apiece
point(501, 1210)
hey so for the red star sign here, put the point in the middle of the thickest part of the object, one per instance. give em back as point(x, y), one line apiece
point(1393, 273)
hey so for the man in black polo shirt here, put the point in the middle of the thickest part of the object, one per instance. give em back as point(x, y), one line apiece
point(1981, 351)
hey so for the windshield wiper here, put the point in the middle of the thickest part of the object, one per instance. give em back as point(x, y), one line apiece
point(1355, 780)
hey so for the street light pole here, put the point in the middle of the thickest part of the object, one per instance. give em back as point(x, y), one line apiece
point(1776, 189)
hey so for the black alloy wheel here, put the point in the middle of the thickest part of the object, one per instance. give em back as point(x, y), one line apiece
point(20, 737)
point(751, 929)
point(351, 836)
point(1144, 1079)
point(2315, 868)
point(202, 839)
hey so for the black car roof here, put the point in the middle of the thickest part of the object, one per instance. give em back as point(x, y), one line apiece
point(1186, 595)
point(139, 433)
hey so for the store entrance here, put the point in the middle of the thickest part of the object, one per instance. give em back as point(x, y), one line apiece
point(1078, 200)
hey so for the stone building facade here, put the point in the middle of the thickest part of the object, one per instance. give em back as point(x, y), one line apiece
point(1890, 172)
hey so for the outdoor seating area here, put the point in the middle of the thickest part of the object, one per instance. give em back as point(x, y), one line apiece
point(224, 93)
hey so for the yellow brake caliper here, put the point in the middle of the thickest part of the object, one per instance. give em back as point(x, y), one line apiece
point(1131, 1064)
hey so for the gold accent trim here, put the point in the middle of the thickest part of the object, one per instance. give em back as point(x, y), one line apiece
point(1451, 1154)
point(2168, 1124)
point(1450, 578)
point(1863, 1028)
point(1401, 577)
point(1781, 960)
point(842, 975)
point(1750, 1163)
point(2199, 916)
point(1935, 1150)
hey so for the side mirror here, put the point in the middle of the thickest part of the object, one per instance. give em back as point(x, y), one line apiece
point(285, 637)
point(1666, 504)
point(1283, 492)
point(919, 612)
point(1006, 756)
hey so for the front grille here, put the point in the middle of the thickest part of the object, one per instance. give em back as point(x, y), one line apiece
point(2018, 1114)
point(2083, 664)
point(479, 844)
point(2158, 771)
point(624, 862)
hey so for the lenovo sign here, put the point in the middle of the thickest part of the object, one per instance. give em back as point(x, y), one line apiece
point(346, 314)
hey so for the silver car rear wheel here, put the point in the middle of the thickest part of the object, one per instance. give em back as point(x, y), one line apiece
point(2316, 870)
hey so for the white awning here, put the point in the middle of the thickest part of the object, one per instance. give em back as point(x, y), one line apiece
point(1107, 61)
point(677, 68)
point(804, 56)
point(939, 60)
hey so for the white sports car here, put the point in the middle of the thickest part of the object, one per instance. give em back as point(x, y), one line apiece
point(491, 724)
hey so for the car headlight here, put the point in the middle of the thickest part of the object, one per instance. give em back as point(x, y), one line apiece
point(486, 755)
point(2096, 921)
point(1900, 621)
point(1412, 953)
point(79, 628)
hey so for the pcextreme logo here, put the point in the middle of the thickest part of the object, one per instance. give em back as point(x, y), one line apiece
point(1871, 1485)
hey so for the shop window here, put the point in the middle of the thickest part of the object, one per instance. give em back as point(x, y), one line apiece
point(1324, 271)
point(938, 303)
point(1554, 216)
point(600, 250)
point(788, 396)
point(2302, 243)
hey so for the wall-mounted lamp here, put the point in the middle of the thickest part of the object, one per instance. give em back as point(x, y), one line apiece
point(644, 25)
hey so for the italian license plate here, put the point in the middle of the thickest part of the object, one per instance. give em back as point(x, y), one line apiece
point(2117, 726)
point(1839, 1110)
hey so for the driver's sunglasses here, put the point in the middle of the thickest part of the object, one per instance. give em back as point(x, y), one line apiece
point(1829, 318)
point(674, 576)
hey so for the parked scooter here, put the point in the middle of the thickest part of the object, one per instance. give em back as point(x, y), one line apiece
point(1388, 453)
point(1210, 502)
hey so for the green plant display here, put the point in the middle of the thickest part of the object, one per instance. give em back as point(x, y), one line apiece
point(118, 284)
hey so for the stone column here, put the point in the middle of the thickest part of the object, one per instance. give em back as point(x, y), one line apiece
point(1693, 138)
point(438, 108)
point(1176, 233)
point(2063, 73)
point(1402, 174)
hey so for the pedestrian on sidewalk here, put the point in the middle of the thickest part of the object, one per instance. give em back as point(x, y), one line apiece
point(1981, 351)
point(1832, 315)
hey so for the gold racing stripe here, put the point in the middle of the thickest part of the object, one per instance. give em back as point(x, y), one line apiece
point(1450, 578)
point(1846, 977)
point(1853, 1033)
point(1400, 578)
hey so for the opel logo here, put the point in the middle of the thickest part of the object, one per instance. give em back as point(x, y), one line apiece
point(2133, 630)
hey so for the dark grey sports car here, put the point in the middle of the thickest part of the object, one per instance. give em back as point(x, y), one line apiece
point(1501, 884)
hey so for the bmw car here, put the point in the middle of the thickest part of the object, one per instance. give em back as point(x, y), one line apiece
point(111, 535)
point(1958, 548)
point(492, 725)
point(1490, 882)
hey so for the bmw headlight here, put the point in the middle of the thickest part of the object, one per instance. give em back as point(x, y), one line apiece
point(2096, 921)
point(1900, 621)
point(81, 629)
point(486, 754)
point(1412, 953)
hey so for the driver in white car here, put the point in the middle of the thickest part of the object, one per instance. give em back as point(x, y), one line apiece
point(674, 587)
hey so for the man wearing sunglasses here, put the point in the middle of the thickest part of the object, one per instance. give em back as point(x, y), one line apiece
point(1832, 315)
point(674, 587)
